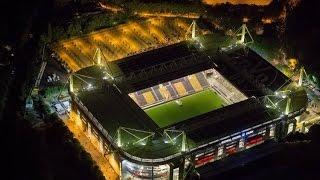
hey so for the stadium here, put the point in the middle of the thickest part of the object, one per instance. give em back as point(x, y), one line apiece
point(166, 104)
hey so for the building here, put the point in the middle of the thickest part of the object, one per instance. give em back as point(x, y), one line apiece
point(164, 112)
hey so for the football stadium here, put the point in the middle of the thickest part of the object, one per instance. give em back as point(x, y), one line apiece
point(160, 99)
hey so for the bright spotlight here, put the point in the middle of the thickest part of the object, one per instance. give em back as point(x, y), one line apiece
point(89, 86)
point(143, 143)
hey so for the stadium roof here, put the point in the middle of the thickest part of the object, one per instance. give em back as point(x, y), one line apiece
point(114, 109)
point(156, 57)
point(160, 65)
point(250, 73)
point(219, 123)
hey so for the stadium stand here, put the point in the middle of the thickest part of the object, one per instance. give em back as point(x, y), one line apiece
point(170, 90)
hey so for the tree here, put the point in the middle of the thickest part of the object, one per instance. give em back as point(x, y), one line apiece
point(296, 136)
point(303, 34)
point(314, 133)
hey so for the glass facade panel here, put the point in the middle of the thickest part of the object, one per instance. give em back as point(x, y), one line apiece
point(136, 171)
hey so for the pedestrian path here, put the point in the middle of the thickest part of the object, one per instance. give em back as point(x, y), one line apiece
point(101, 161)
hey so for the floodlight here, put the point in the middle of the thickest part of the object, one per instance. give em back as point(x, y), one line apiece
point(89, 86)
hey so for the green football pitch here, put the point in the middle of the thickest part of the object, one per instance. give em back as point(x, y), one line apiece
point(193, 105)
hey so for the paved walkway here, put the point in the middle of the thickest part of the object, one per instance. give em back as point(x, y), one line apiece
point(101, 161)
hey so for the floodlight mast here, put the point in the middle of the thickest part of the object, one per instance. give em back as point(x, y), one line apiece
point(191, 28)
point(97, 56)
point(167, 135)
point(181, 133)
point(242, 31)
point(288, 106)
point(269, 101)
point(183, 146)
point(71, 83)
point(284, 95)
point(303, 74)
point(79, 77)
point(119, 138)
point(131, 132)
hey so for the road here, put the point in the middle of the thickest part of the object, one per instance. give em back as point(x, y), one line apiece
point(181, 15)
point(101, 161)
point(256, 2)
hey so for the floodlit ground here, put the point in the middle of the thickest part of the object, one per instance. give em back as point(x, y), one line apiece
point(190, 106)
point(121, 41)
point(101, 161)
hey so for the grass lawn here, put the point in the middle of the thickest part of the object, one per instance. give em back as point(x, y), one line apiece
point(171, 112)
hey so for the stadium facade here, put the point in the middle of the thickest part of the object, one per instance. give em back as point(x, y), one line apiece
point(162, 113)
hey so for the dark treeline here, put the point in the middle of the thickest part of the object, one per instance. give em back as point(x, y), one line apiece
point(48, 153)
point(303, 34)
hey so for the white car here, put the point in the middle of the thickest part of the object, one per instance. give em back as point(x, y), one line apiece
point(60, 110)
point(67, 105)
